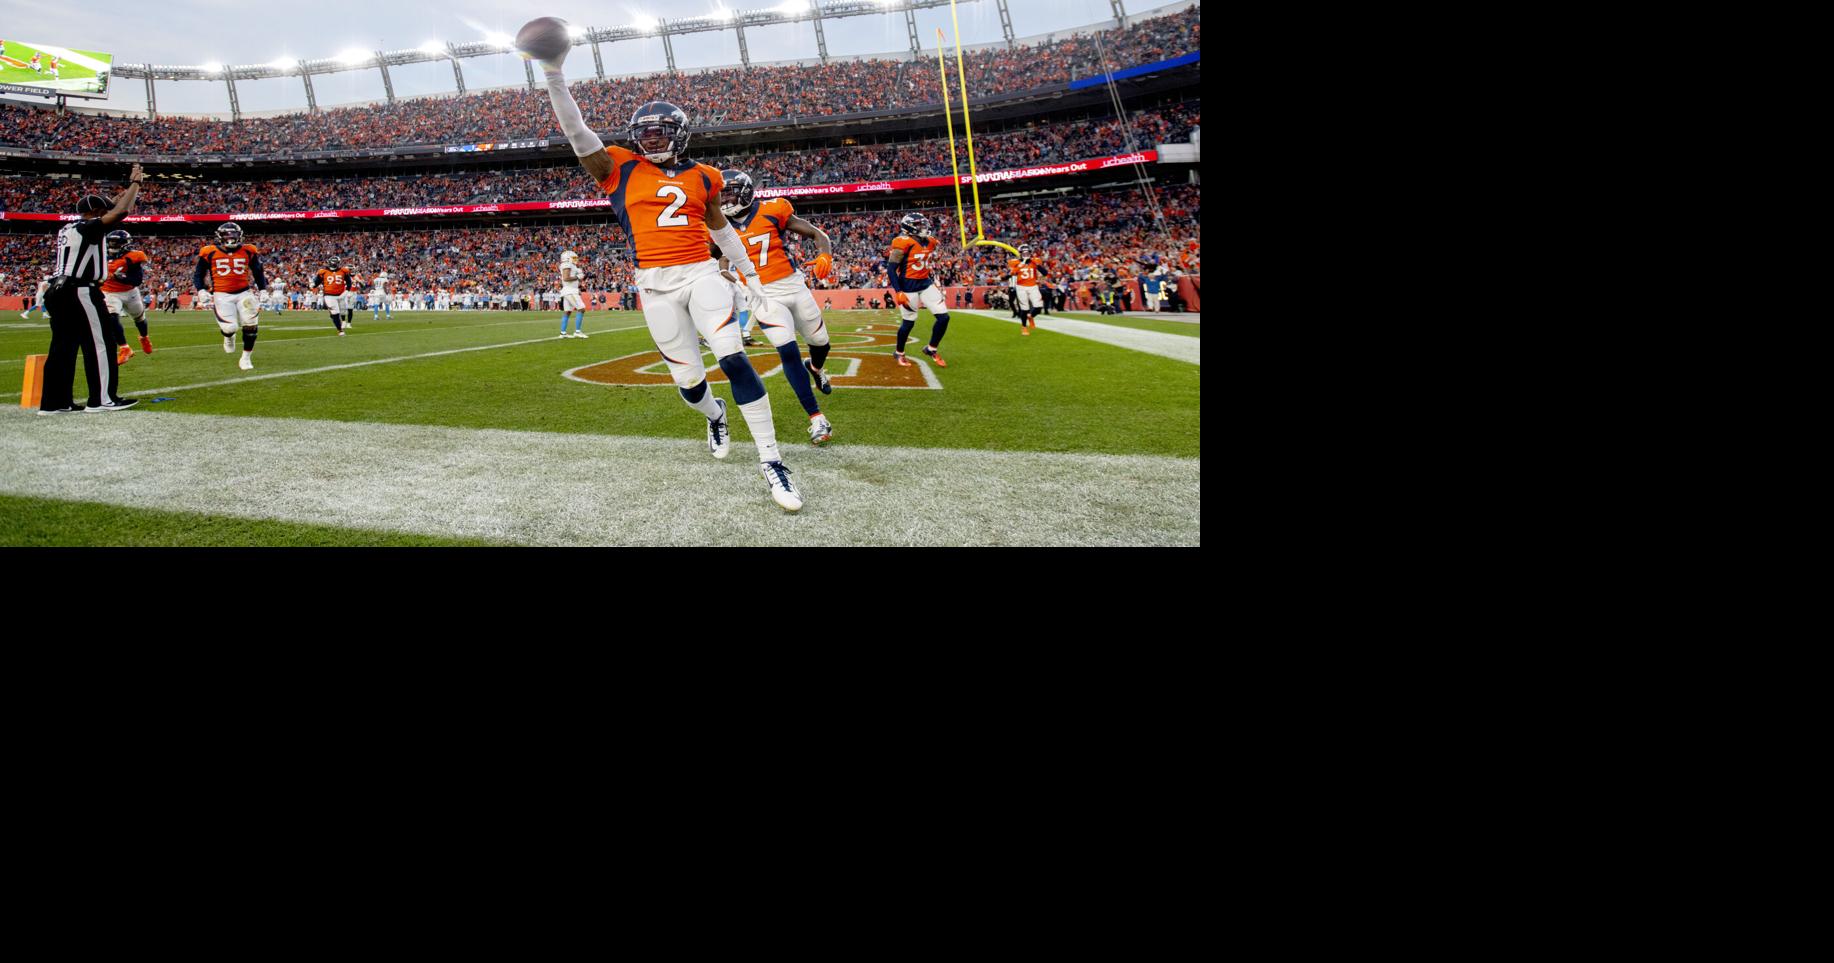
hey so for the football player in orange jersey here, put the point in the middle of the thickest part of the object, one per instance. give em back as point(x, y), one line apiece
point(909, 265)
point(669, 208)
point(1026, 271)
point(337, 282)
point(763, 227)
point(121, 290)
point(227, 267)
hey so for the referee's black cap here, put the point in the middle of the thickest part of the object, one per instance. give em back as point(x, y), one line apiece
point(92, 203)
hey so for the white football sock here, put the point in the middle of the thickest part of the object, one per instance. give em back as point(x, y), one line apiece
point(763, 430)
point(707, 405)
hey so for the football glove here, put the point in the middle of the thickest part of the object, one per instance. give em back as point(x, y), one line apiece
point(755, 301)
point(903, 301)
point(824, 265)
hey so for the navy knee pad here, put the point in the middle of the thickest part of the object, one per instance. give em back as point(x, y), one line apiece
point(747, 387)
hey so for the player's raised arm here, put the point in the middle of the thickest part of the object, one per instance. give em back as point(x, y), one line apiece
point(586, 144)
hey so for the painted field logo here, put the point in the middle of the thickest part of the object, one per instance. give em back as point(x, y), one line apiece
point(856, 362)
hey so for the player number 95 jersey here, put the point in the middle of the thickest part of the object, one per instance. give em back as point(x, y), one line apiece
point(664, 212)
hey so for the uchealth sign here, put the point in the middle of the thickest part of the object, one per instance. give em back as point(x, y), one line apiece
point(816, 190)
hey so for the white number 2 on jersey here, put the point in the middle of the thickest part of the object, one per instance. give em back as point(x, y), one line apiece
point(668, 217)
point(764, 248)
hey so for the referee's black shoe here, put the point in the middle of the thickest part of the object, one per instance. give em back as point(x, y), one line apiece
point(115, 406)
point(73, 409)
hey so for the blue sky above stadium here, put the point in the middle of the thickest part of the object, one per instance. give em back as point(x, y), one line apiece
point(235, 31)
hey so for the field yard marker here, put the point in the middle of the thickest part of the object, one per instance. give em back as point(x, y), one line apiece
point(32, 392)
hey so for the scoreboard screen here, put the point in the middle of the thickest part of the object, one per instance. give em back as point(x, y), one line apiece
point(47, 70)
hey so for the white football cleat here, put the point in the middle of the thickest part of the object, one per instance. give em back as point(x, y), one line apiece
point(229, 344)
point(820, 430)
point(782, 491)
point(247, 363)
point(579, 334)
point(719, 439)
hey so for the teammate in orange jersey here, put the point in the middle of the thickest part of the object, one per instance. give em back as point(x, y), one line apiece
point(669, 208)
point(121, 290)
point(1026, 271)
point(763, 226)
point(223, 274)
point(337, 281)
point(909, 265)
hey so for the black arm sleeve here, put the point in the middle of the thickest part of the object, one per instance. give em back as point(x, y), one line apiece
point(254, 268)
point(202, 274)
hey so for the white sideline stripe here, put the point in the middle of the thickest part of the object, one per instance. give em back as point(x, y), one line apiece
point(366, 335)
point(139, 392)
point(1178, 347)
point(560, 489)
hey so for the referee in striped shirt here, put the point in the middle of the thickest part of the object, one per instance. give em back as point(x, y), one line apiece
point(80, 319)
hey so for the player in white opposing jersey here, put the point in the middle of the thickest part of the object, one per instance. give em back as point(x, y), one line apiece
point(279, 289)
point(378, 297)
point(38, 300)
point(570, 300)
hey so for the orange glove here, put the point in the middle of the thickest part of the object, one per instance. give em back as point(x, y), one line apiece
point(824, 265)
point(903, 301)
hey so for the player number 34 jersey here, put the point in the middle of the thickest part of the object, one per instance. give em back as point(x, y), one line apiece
point(916, 256)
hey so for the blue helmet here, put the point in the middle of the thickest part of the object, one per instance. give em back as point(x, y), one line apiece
point(118, 238)
point(660, 131)
point(230, 235)
point(737, 195)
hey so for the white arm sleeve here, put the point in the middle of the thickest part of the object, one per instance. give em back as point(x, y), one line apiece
point(582, 138)
point(734, 250)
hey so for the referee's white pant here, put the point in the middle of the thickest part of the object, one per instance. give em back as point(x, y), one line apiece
point(80, 322)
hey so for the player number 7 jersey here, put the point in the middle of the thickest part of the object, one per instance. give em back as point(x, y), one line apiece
point(763, 235)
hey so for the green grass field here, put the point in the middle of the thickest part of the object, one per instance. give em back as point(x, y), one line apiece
point(464, 428)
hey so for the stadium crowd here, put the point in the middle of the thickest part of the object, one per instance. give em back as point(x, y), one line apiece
point(1043, 144)
point(715, 96)
point(1109, 233)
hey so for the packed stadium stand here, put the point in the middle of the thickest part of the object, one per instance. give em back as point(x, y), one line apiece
point(1101, 194)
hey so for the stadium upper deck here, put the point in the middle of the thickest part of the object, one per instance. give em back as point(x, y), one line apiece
point(729, 98)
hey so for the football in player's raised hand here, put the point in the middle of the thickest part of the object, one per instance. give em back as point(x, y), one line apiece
point(545, 39)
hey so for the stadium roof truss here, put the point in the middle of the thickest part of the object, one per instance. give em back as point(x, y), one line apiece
point(791, 11)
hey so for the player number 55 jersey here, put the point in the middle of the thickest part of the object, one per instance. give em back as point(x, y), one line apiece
point(228, 270)
point(664, 212)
